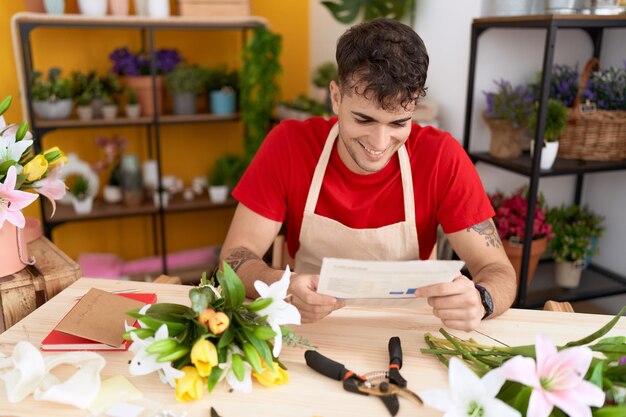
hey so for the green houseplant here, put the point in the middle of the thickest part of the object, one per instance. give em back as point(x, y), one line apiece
point(346, 11)
point(507, 112)
point(132, 107)
point(52, 96)
point(322, 76)
point(575, 228)
point(222, 86)
point(78, 186)
point(258, 87)
point(224, 175)
point(556, 121)
point(185, 83)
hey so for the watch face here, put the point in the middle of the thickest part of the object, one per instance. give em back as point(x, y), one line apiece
point(486, 300)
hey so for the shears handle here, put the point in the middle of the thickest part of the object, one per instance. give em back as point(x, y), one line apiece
point(395, 362)
point(334, 370)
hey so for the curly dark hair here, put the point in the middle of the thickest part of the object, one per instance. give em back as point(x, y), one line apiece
point(383, 59)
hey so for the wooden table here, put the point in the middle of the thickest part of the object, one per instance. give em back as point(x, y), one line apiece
point(356, 337)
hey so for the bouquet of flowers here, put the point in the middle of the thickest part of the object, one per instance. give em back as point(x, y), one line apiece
point(218, 337)
point(510, 103)
point(538, 380)
point(128, 63)
point(510, 218)
point(21, 171)
point(607, 88)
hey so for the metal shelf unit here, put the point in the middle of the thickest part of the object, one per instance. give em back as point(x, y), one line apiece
point(525, 165)
point(24, 23)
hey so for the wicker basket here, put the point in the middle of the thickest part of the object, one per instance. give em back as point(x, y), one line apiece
point(599, 135)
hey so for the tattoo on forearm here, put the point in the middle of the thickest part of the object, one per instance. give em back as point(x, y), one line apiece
point(239, 257)
point(488, 230)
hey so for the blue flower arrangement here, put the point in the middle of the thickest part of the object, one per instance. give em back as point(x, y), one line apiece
point(128, 63)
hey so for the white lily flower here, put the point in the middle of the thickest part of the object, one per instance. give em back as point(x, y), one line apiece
point(279, 312)
point(144, 363)
point(469, 395)
point(229, 374)
point(10, 150)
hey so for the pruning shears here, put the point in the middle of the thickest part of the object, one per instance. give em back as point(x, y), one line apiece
point(387, 385)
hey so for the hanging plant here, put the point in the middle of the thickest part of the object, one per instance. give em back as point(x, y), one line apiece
point(259, 88)
point(346, 11)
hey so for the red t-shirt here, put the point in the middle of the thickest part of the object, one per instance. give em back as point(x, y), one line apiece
point(447, 188)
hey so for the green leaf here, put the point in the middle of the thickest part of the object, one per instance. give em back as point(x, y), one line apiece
point(161, 308)
point(522, 399)
point(253, 358)
point(259, 304)
point(5, 104)
point(227, 338)
point(173, 355)
point(260, 345)
point(597, 374)
point(140, 333)
point(162, 346)
point(615, 411)
point(21, 131)
point(264, 333)
point(5, 165)
point(238, 367)
point(173, 329)
point(200, 299)
point(214, 377)
point(600, 332)
point(232, 286)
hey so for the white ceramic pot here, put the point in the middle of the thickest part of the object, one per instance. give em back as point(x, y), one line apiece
point(548, 154)
point(188, 194)
point(84, 112)
point(567, 274)
point(93, 7)
point(132, 111)
point(109, 111)
point(158, 8)
point(218, 193)
point(112, 194)
point(150, 173)
point(82, 206)
point(141, 7)
point(53, 110)
point(165, 198)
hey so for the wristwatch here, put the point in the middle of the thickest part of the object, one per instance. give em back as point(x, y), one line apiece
point(486, 299)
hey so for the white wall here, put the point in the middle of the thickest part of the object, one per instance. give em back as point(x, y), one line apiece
point(516, 55)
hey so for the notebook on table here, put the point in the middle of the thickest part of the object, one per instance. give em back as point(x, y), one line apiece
point(96, 322)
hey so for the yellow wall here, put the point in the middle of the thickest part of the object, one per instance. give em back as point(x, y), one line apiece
point(187, 150)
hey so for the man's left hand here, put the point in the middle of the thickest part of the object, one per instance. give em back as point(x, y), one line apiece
point(456, 303)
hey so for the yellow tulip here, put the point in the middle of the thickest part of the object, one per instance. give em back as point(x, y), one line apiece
point(218, 323)
point(272, 376)
point(190, 386)
point(55, 157)
point(204, 356)
point(36, 168)
point(205, 316)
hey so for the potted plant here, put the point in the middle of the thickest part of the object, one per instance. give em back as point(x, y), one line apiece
point(300, 108)
point(109, 107)
point(573, 227)
point(135, 68)
point(510, 221)
point(221, 85)
point(556, 121)
point(78, 186)
point(83, 106)
point(98, 87)
point(110, 163)
point(132, 108)
point(506, 115)
point(52, 98)
point(185, 83)
point(322, 76)
point(224, 176)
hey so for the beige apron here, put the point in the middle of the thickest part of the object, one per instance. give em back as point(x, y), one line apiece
point(323, 237)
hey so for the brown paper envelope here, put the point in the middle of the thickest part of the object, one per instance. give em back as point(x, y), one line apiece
point(99, 316)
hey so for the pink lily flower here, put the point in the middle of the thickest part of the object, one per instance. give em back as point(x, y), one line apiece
point(51, 187)
point(557, 379)
point(12, 201)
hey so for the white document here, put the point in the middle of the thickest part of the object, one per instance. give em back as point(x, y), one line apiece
point(387, 280)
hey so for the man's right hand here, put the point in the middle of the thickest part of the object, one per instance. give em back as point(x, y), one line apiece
point(312, 306)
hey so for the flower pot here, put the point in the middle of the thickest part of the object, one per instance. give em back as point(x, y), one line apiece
point(54, 6)
point(112, 194)
point(84, 112)
point(83, 206)
point(12, 246)
point(218, 193)
point(548, 153)
point(34, 6)
point(131, 183)
point(53, 110)
point(93, 7)
point(184, 103)
point(96, 106)
point(164, 197)
point(505, 139)
point(132, 111)
point(223, 101)
point(567, 274)
point(143, 86)
point(514, 252)
point(109, 111)
point(141, 7)
point(118, 7)
point(159, 8)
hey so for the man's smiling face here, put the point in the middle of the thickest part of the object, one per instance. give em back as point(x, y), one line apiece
point(368, 135)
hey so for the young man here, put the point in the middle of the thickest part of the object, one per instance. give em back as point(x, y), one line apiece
point(370, 184)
